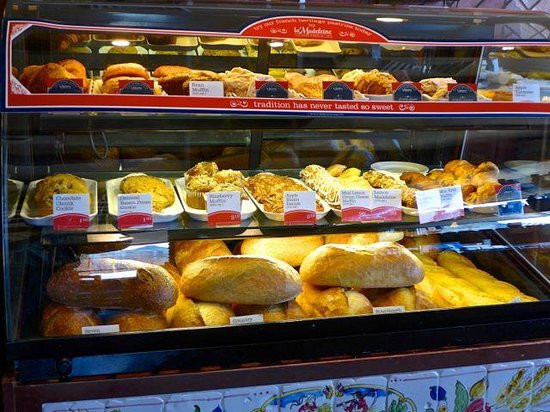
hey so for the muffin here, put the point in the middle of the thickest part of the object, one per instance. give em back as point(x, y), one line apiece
point(195, 189)
point(162, 195)
point(229, 187)
point(202, 169)
point(63, 183)
point(230, 176)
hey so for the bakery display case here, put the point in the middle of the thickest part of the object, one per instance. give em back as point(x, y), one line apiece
point(219, 184)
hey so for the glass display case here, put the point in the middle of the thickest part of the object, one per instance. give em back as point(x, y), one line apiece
point(218, 184)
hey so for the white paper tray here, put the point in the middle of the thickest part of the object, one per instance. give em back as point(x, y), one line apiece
point(168, 214)
point(280, 217)
point(19, 186)
point(247, 206)
point(28, 215)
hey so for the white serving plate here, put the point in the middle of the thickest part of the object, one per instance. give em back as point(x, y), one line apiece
point(488, 210)
point(19, 186)
point(379, 97)
point(327, 47)
point(247, 206)
point(139, 50)
point(26, 210)
point(280, 217)
point(168, 214)
point(394, 169)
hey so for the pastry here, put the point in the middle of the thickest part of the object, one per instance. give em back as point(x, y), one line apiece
point(380, 265)
point(291, 250)
point(28, 74)
point(247, 280)
point(241, 82)
point(112, 86)
point(166, 70)
point(74, 67)
point(57, 184)
point(318, 302)
point(202, 169)
point(184, 252)
point(162, 195)
point(46, 75)
point(307, 42)
point(196, 188)
point(105, 283)
point(234, 177)
point(405, 297)
point(67, 40)
point(327, 186)
point(125, 69)
point(374, 82)
point(311, 87)
point(198, 75)
point(229, 187)
point(437, 87)
point(138, 321)
point(380, 180)
point(58, 320)
point(171, 78)
point(419, 181)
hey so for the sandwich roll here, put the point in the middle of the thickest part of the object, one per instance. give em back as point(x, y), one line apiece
point(246, 280)
point(320, 302)
point(380, 265)
point(188, 314)
point(291, 250)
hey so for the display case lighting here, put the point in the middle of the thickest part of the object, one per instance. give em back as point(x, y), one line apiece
point(505, 48)
point(390, 19)
point(276, 44)
point(120, 43)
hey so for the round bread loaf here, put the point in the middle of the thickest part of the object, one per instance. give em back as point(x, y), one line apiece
point(380, 265)
point(291, 250)
point(136, 321)
point(247, 280)
point(125, 69)
point(58, 320)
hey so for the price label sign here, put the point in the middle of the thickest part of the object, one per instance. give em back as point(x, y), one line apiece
point(63, 86)
point(136, 86)
point(526, 92)
point(370, 205)
point(100, 329)
point(381, 310)
point(299, 208)
point(272, 90)
point(135, 211)
point(206, 88)
point(338, 90)
point(71, 211)
point(407, 92)
point(224, 208)
point(439, 204)
point(510, 200)
point(246, 320)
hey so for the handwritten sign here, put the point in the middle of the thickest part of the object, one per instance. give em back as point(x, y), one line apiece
point(71, 211)
point(135, 210)
point(369, 205)
point(299, 208)
point(439, 204)
point(224, 208)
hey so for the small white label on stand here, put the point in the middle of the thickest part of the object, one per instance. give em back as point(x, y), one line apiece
point(135, 210)
point(525, 91)
point(96, 330)
point(439, 204)
point(517, 299)
point(367, 205)
point(243, 320)
point(71, 211)
point(224, 208)
point(299, 208)
point(380, 310)
point(206, 88)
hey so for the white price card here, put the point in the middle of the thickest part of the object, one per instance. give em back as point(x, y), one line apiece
point(224, 208)
point(206, 88)
point(369, 205)
point(99, 329)
point(439, 204)
point(135, 210)
point(380, 310)
point(71, 211)
point(299, 208)
point(526, 91)
point(243, 320)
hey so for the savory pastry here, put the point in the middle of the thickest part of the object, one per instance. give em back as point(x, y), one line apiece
point(380, 180)
point(59, 320)
point(162, 195)
point(184, 252)
point(307, 42)
point(380, 265)
point(187, 314)
point(319, 179)
point(125, 69)
point(196, 188)
point(166, 70)
point(317, 302)
point(437, 87)
point(291, 250)
point(93, 282)
point(310, 86)
point(268, 189)
point(241, 82)
point(57, 184)
point(247, 280)
point(374, 82)
point(138, 321)
point(198, 75)
point(202, 169)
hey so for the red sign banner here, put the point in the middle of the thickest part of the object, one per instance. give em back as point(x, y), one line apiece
point(70, 221)
point(300, 217)
point(135, 220)
point(224, 218)
point(363, 214)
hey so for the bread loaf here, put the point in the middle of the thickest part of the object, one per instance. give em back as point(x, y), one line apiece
point(184, 252)
point(405, 297)
point(58, 320)
point(187, 314)
point(364, 238)
point(136, 321)
point(247, 280)
point(380, 265)
point(291, 250)
point(271, 313)
point(428, 245)
point(317, 302)
point(111, 283)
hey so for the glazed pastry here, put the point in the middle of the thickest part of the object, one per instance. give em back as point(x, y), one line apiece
point(241, 82)
point(202, 169)
point(57, 184)
point(479, 179)
point(311, 87)
point(162, 195)
point(374, 82)
point(74, 67)
point(319, 179)
point(125, 69)
point(419, 181)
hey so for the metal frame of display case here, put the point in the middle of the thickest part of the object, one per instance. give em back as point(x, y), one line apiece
point(306, 340)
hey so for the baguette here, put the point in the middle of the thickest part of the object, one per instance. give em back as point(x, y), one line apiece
point(380, 265)
point(187, 314)
point(246, 280)
point(291, 250)
point(111, 283)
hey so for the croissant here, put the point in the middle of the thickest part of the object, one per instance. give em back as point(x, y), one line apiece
point(454, 164)
point(488, 167)
point(44, 77)
point(28, 74)
point(443, 178)
point(481, 178)
point(419, 181)
point(67, 40)
point(75, 67)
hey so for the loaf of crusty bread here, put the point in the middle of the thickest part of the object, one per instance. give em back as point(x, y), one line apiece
point(271, 313)
point(184, 252)
point(428, 245)
point(363, 238)
point(291, 250)
point(380, 265)
point(112, 283)
point(405, 297)
point(59, 320)
point(319, 302)
point(187, 314)
point(136, 321)
point(247, 280)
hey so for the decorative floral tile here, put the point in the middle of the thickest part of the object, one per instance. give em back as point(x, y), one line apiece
point(252, 399)
point(414, 392)
point(315, 396)
point(509, 386)
point(360, 394)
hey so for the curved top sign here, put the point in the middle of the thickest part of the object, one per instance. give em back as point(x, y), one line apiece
point(315, 28)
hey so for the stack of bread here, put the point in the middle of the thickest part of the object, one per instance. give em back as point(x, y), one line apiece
point(174, 80)
point(37, 79)
point(114, 73)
